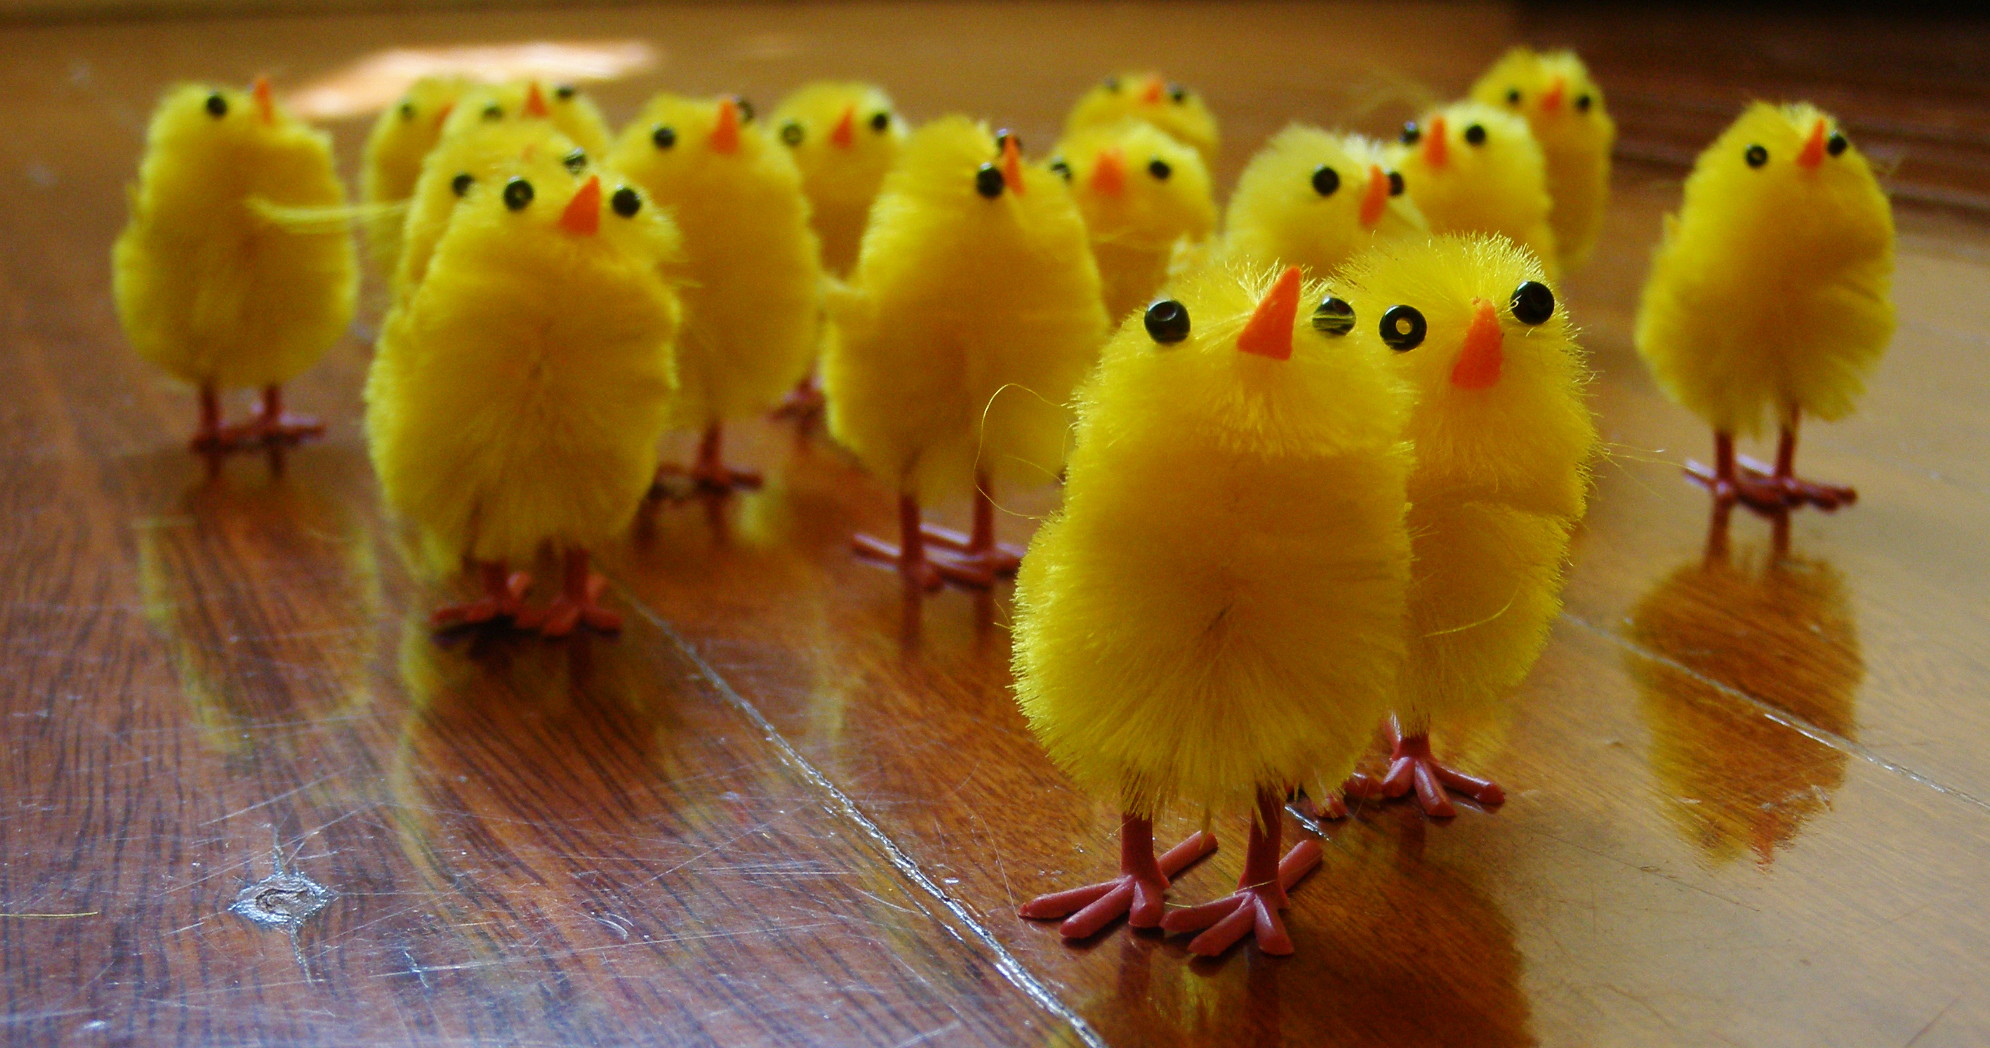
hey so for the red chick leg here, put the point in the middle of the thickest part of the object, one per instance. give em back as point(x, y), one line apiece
point(1135, 894)
point(270, 426)
point(710, 471)
point(1260, 892)
point(803, 403)
point(1411, 766)
point(909, 554)
point(579, 603)
point(1729, 485)
point(1794, 490)
point(504, 598)
point(976, 559)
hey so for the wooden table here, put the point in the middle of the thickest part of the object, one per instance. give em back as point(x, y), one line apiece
point(247, 798)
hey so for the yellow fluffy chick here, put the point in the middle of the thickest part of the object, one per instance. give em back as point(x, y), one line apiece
point(1142, 192)
point(752, 303)
point(1503, 440)
point(1564, 108)
point(1150, 99)
point(844, 137)
point(210, 288)
point(568, 108)
point(401, 138)
point(1771, 292)
point(531, 149)
point(1214, 616)
point(518, 394)
point(972, 316)
point(1472, 168)
point(1314, 198)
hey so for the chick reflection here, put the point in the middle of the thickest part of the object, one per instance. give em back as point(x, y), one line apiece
point(1780, 633)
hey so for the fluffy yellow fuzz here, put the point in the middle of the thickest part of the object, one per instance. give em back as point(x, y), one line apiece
point(1772, 288)
point(1151, 99)
point(969, 322)
point(1217, 609)
point(488, 154)
point(1154, 194)
point(401, 138)
point(752, 305)
point(841, 173)
point(206, 286)
point(1564, 108)
point(1498, 184)
point(1278, 213)
point(568, 109)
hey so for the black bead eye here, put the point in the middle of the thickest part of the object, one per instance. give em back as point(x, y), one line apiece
point(1396, 183)
point(1533, 303)
point(664, 136)
point(1334, 316)
point(216, 105)
point(461, 183)
point(1836, 144)
point(1167, 321)
point(1411, 134)
point(517, 194)
point(575, 161)
point(625, 202)
point(407, 110)
point(745, 109)
point(1178, 93)
point(493, 112)
point(1513, 96)
point(1403, 328)
point(880, 121)
point(1112, 83)
point(564, 92)
point(1325, 180)
point(988, 181)
point(791, 133)
point(1756, 156)
point(1583, 102)
point(1476, 134)
point(1159, 169)
point(1062, 167)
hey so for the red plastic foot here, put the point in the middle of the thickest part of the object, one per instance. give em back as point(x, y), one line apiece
point(1746, 486)
point(504, 599)
point(909, 556)
point(1794, 490)
point(1001, 556)
point(804, 403)
point(579, 603)
point(1411, 766)
point(974, 559)
point(1254, 908)
point(1332, 808)
point(1136, 894)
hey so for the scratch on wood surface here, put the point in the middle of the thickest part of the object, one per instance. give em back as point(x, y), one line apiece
point(51, 916)
point(1931, 1023)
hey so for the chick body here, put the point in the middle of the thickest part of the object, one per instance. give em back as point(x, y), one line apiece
point(1150, 99)
point(1472, 168)
point(401, 138)
point(1314, 198)
point(1142, 193)
point(751, 301)
point(843, 137)
point(1564, 109)
point(1502, 439)
point(1771, 290)
point(565, 106)
point(487, 154)
point(206, 287)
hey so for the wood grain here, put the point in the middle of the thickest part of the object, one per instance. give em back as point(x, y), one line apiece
point(249, 799)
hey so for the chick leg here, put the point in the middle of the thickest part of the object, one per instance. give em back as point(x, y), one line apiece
point(579, 603)
point(710, 471)
point(1411, 766)
point(1795, 491)
point(1135, 894)
point(504, 598)
point(270, 426)
point(910, 553)
point(803, 403)
point(1260, 891)
point(977, 559)
point(1750, 487)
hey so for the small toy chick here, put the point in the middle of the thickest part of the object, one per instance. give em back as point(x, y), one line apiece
point(751, 309)
point(518, 393)
point(1771, 290)
point(1564, 109)
point(1503, 440)
point(531, 149)
point(1314, 199)
point(211, 288)
point(401, 138)
point(1142, 192)
point(844, 137)
point(1472, 168)
point(568, 108)
point(1150, 99)
point(973, 314)
point(1231, 549)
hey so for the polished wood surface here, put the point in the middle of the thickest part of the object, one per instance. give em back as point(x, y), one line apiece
point(248, 798)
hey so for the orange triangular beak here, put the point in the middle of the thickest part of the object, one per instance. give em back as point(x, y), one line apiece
point(845, 131)
point(1269, 331)
point(1812, 153)
point(1012, 165)
point(265, 104)
point(535, 101)
point(443, 113)
point(583, 213)
point(1376, 198)
point(725, 136)
point(1479, 362)
point(1109, 172)
point(1436, 150)
point(1153, 91)
point(1552, 101)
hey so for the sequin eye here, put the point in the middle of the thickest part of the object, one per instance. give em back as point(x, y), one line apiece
point(1583, 102)
point(1325, 180)
point(1756, 156)
point(1396, 184)
point(1533, 303)
point(564, 92)
point(1062, 167)
point(517, 194)
point(664, 137)
point(880, 121)
point(1333, 317)
point(1159, 169)
point(1403, 328)
point(407, 110)
point(791, 133)
point(217, 106)
point(461, 183)
point(745, 109)
point(1167, 321)
point(575, 161)
point(988, 181)
point(1411, 134)
point(625, 202)
point(1476, 134)
point(493, 112)
point(1513, 96)
point(1178, 93)
point(1836, 144)
point(1112, 83)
